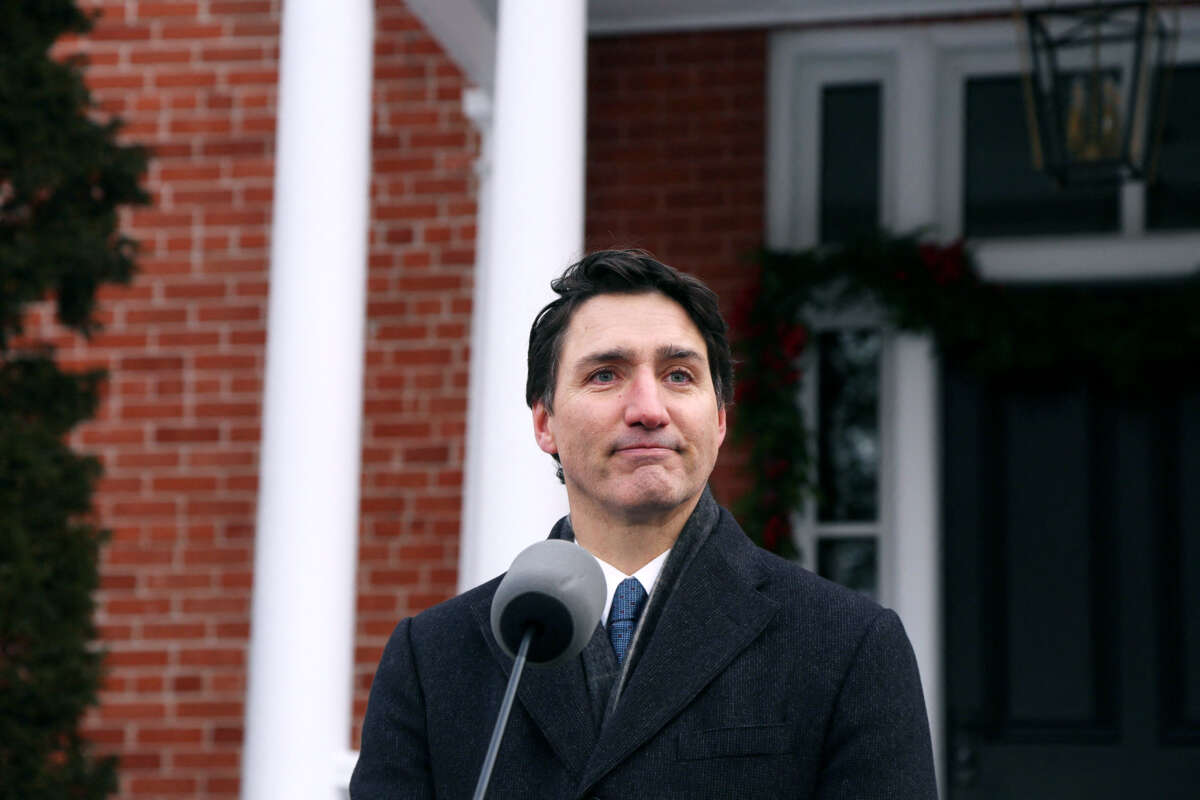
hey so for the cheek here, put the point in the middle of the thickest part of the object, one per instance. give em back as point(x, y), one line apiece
point(708, 426)
point(576, 434)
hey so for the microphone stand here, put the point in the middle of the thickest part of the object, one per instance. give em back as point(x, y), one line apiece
point(510, 693)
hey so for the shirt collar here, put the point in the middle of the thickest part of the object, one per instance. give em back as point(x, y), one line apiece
point(646, 576)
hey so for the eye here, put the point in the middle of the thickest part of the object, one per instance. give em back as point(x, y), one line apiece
point(603, 376)
point(679, 376)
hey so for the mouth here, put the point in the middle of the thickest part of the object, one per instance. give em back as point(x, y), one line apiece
point(645, 449)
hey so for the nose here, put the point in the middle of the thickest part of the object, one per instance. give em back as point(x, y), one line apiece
point(644, 402)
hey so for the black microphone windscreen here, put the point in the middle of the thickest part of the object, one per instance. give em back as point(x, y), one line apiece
point(559, 588)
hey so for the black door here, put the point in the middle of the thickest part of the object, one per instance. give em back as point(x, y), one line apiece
point(1072, 577)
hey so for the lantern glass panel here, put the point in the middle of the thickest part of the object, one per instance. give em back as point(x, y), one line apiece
point(1093, 80)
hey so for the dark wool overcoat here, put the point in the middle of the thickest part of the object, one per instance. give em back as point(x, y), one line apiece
point(753, 678)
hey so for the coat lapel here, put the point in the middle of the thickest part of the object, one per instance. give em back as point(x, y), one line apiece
point(555, 698)
point(712, 614)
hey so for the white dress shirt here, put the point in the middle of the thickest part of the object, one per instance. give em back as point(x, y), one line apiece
point(646, 576)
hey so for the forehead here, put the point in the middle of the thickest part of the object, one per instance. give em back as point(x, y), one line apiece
point(634, 322)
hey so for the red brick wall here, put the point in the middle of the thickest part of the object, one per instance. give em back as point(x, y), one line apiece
point(676, 138)
point(178, 429)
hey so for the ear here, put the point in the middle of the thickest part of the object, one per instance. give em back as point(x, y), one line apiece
point(720, 425)
point(542, 433)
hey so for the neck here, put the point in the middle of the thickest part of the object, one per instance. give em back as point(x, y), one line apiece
point(628, 541)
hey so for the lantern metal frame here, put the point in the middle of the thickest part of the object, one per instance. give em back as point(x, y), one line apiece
point(1096, 77)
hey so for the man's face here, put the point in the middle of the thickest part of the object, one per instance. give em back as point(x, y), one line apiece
point(636, 423)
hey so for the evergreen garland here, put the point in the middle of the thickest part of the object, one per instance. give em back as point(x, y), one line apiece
point(1130, 337)
point(62, 178)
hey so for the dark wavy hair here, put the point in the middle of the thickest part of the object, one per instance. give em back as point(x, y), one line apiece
point(623, 272)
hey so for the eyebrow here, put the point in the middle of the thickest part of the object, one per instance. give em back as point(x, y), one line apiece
point(667, 352)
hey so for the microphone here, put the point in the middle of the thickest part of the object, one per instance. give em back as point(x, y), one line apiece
point(544, 611)
point(555, 587)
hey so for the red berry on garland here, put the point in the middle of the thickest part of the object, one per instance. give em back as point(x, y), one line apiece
point(794, 341)
point(945, 264)
point(954, 261)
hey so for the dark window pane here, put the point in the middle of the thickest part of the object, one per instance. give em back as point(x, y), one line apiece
point(848, 416)
point(849, 160)
point(1002, 193)
point(852, 561)
point(1173, 198)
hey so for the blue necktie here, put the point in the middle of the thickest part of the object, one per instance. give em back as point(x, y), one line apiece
point(622, 617)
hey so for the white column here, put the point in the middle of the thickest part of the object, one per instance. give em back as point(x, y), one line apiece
point(918, 576)
point(917, 542)
point(298, 702)
point(478, 107)
point(533, 202)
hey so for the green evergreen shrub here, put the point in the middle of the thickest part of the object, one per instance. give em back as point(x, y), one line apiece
point(62, 177)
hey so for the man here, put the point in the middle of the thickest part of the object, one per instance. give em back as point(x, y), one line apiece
point(721, 670)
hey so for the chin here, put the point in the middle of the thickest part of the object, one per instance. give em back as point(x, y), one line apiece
point(648, 501)
point(644, 495)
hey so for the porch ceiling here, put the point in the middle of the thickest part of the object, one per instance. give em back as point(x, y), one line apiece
point(628, 16)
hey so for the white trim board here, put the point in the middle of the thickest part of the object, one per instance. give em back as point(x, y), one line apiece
point(1091, 258)
point(614, 17)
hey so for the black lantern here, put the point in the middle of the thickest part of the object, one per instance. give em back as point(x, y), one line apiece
point(1096, 83)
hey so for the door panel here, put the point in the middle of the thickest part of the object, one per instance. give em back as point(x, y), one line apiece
point(1181, 585)
point(1071, 524)
point(1055, 678)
